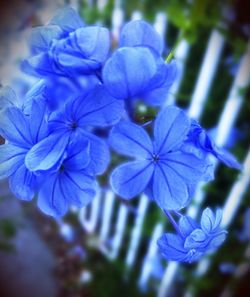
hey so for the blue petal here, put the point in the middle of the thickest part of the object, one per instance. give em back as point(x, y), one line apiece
point(36, 92)
point(93, 42)
point(40, 65)
point(46, 153)
point(98, 108)
point(8, 98)
point(217, 240)
point(78, 188)
point(209, 221)
point(197, 239)
point(38, 120)
point(170, 129)
point(11, 158)
point(128, 72)
point(71, 65)
point(98, 153)
point(84, 51)
point(187, 225)
point(200, 138)
point(41, 38)
point(159, 85)
point(227, 158)
point(14, 127)
point(131, 179)
point(51, 199)
point(171, 247)
point(218, 218)
point(188, 166)
point(140, 33)
point(23, 183)
point(67, 19)
point(169, 189)
point(131, 140)
point(78, 156)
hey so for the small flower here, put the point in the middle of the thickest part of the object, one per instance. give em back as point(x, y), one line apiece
point(66, 47)
point(161, 167)
point(70, 184)
point(136, 70)
point(96, 108)
point(198, 136)
point(193, 239)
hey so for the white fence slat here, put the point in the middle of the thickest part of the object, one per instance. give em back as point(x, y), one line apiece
point(160, 23)
point(106, 215)
point(101, 4)
point(136, 15)
point(235, 197)
point(137, 230)
point(117, 20)
point(89, 224)
point(180, 56)
point(235, 99)
point(206, 74)
point(119, 232)
point(167, 279)
point(148, 263)
point(74, 4)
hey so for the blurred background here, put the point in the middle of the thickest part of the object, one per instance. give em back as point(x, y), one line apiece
point(109, 249)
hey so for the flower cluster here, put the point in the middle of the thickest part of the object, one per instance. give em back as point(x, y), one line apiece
point(57, 138)
point(193, 239)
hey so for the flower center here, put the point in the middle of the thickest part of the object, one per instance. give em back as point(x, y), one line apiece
point(156, 158)
point(73, 125)
point(62, 168)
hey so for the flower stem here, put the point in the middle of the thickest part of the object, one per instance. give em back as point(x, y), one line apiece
point(172, 221)
point(173, 50)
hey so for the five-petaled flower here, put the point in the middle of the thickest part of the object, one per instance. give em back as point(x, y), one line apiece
point(162, 168)
point(96, 108)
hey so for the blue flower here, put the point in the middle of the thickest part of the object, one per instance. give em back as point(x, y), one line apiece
point(66, 47)
point(193, 239)
point(70, 184)
point(22, 133)
point(136, 70)
point(198, 136)
point(161, 167)
point(97, 109)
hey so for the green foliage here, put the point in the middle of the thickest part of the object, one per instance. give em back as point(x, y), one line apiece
point(7, 232)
